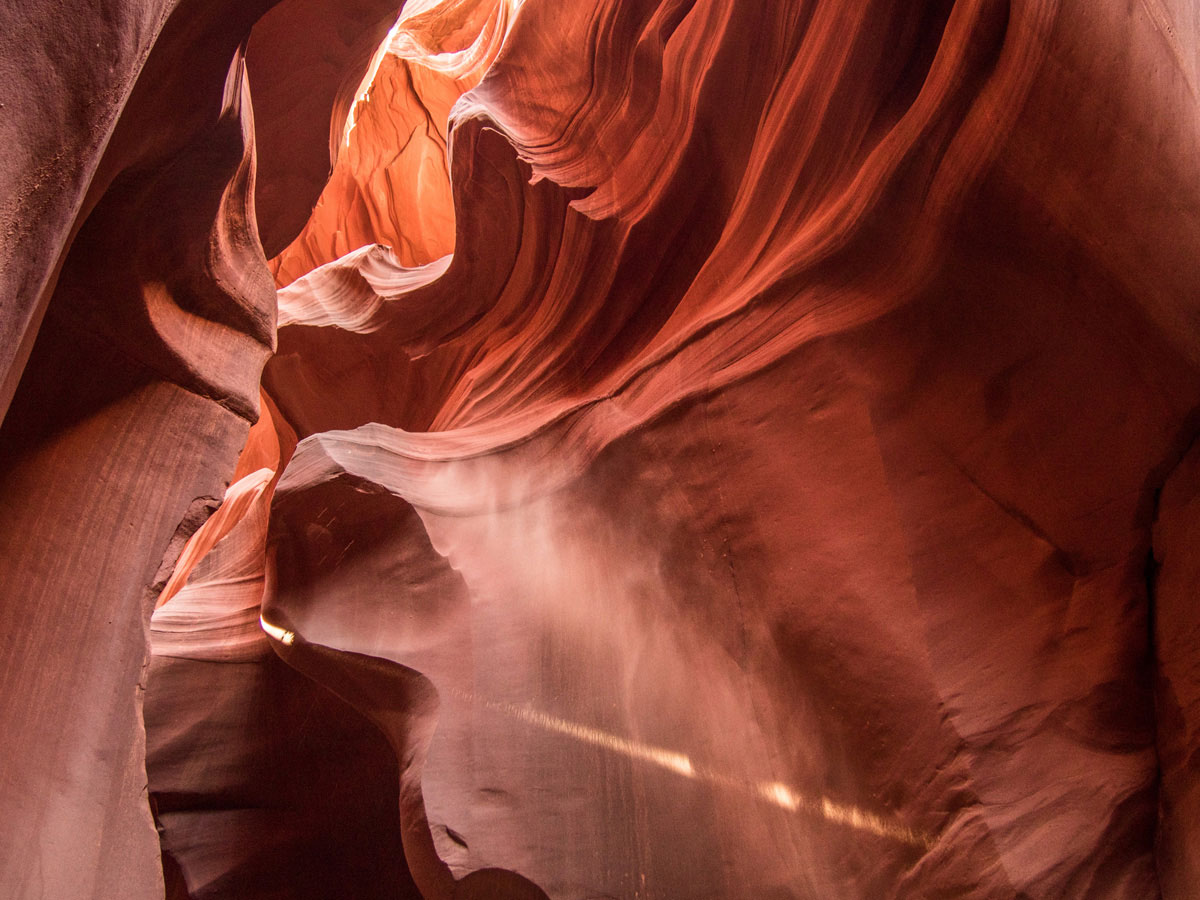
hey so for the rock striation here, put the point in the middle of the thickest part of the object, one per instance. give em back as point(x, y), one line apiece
point(702, 450)
point(136, 395)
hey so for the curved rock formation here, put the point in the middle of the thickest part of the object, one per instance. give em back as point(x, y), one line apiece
point(307, 59)
point(390, 182)
point(133, 242)
point(845, 325)
point(740, 451)
point(135, 397)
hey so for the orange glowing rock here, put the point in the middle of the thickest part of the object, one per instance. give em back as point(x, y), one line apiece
point(741, 450)
point(391, 184)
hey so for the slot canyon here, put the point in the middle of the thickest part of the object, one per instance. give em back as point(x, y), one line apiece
point(626, 450)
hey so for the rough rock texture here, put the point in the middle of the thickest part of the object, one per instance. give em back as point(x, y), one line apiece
point(134, 402)
point(755, 503)
point(306, 60)
point(390, 183)
point(713, 450)
point(1176, 636)
point(55, 134)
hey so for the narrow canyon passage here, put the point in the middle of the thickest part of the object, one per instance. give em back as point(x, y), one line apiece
point(646, 450)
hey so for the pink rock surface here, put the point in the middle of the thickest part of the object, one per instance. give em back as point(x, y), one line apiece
point(129, 414)
point(740, 451)
point(750, 462)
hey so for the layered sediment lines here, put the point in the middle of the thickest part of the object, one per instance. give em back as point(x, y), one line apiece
point(137, 313)
point(712, 450)
point(738, 456)
point(389, 183)
point(135, 399)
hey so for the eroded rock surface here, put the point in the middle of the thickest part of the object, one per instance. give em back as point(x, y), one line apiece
point(135, 400)
point(753, 445)
point(713, 450)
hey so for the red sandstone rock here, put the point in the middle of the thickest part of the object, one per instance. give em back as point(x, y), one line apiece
point(1176, 636)
point(390, 183)
point(306, 60)
point(293, 794)
point(850, 389)
point(772, 488)
point(129, 414)
point(164, 306)
point(59, 109)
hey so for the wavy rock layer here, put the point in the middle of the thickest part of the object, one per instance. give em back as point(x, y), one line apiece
point(740, 451)
point(306, 59)
point(134, 400)
point(390, 183)
point(765, 487)
point(1177, 689)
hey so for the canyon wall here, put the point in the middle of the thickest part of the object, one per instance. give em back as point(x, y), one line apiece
point(699, 450)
